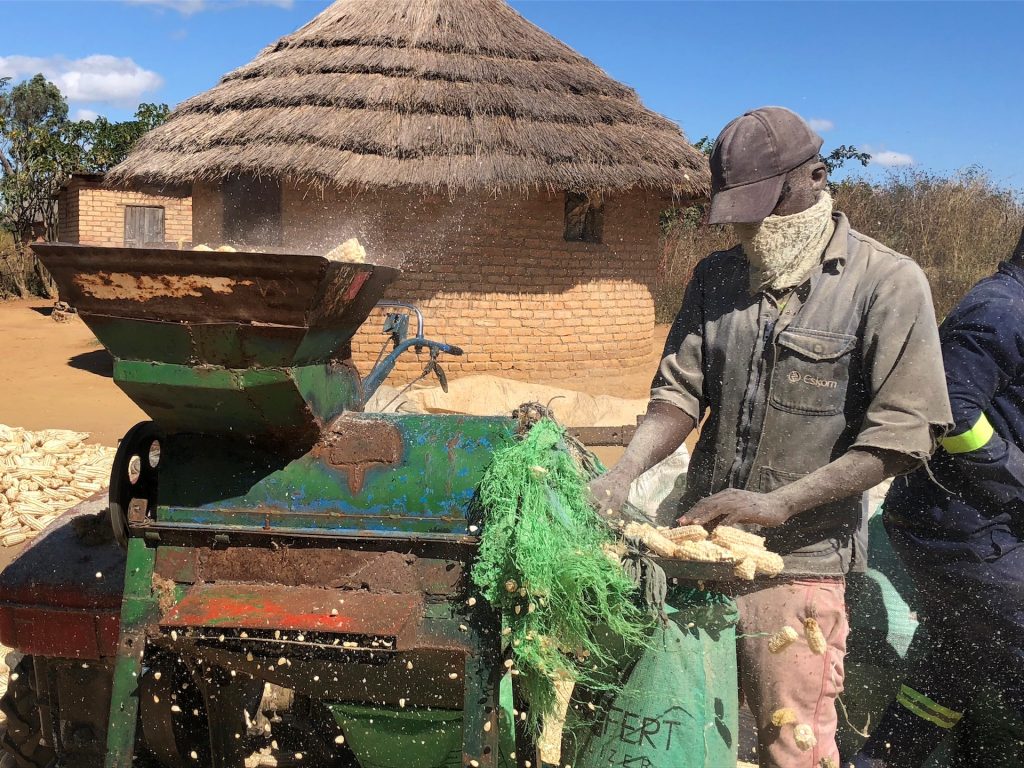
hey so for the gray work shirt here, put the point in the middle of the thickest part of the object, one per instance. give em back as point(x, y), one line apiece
point(851, 359)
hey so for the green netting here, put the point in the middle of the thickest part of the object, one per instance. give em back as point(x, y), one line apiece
point(541, 564)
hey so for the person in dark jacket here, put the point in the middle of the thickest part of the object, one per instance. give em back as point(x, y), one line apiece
point(958, 524)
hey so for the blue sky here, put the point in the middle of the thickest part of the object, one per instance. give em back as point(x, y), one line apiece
point(939, 85)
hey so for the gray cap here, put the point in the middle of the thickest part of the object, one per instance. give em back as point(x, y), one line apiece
point(751, 158)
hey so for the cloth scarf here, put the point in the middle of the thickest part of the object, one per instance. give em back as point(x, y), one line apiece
point(782, 250)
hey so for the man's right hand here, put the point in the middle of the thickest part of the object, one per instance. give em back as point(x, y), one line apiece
point(663, 429)
point(609, 491)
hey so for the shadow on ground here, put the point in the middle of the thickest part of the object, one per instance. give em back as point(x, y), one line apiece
point(98, 361)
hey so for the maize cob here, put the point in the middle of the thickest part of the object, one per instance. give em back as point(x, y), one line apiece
point(703, 552)
point(782, 639)
point(803, 734)
point(686, 533)
point(351, 250)
point(42, 474)
point(549, 745)
point(815, 637)
point(651, 539)
point(745, 569)
point(727, 536)
point(38, 523)
point(769, 563)
point(784, 716)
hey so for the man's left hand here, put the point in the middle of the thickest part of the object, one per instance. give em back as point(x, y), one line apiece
point(737, 507)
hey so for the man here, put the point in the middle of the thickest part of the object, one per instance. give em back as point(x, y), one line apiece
point(814, 353)
point(959, 527)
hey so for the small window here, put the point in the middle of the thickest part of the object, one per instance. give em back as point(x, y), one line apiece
point(584, 217)
point(143, 226)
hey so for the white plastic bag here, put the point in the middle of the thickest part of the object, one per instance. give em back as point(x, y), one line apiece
point(656, 492)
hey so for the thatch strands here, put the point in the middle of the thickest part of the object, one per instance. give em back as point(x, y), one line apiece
point(439, 94)
point(44, 473)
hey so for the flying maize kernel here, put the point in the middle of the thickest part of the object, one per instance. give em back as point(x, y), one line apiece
point(803, 734)
point(815, 637)
point(784, 716)
point(782, 639)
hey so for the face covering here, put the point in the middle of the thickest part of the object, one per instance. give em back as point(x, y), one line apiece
point(782, 250)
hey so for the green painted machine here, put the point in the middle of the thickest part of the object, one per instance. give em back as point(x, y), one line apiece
point(294, 570)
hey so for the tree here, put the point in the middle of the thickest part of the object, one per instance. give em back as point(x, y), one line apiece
point(39, 150)
point(35, 156)
point(104, 144)
point(835, 159)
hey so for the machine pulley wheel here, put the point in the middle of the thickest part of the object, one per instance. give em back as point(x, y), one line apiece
point(133, 475)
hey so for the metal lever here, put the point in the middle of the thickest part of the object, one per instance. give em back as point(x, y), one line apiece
point(383, 369)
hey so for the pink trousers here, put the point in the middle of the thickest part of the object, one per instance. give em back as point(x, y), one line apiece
point(796, 678)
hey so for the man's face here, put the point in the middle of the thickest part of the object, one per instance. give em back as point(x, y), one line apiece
point(801, 189)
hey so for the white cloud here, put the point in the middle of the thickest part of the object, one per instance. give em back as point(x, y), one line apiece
point(84, 114)
point(96, 79)
point(890, 159)
point(820, 124)
point(188, 7)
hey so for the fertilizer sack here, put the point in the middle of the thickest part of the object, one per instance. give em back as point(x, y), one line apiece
point(678, 705)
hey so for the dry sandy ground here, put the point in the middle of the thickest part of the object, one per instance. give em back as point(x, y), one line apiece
point(57, 376)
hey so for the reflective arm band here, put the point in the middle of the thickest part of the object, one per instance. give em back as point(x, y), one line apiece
point(971, 440)
point(926, 708)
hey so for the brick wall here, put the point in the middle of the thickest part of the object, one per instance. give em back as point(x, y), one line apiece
point(92, 215)
point(494, 275)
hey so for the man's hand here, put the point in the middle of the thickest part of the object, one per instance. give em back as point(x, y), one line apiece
point(737, 507)
point(663, 430)
point(609, 491)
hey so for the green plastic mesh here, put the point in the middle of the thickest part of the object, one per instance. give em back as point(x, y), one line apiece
point(541, 564)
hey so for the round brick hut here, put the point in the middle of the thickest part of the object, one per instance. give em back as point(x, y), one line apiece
point(518, 187)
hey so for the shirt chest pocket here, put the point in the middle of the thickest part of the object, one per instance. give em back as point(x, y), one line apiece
point(812, 371)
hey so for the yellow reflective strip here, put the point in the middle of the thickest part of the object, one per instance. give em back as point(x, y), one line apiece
point(933, 705)
point(974, 438)
point(927, 709)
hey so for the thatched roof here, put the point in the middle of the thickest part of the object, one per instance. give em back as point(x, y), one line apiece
point(437, 94)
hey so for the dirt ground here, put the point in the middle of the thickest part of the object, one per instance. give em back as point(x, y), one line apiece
point(58, 376)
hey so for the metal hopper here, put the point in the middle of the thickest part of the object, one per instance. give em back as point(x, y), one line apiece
point(223, 342)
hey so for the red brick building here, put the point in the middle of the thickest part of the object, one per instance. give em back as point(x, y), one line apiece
point(90, 214)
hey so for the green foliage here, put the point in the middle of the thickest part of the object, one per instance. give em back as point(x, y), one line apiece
point(542, 566)
point(705, 145)
point(104, 144)
point(35, 156)
point(40, 148)
point(835, 159)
